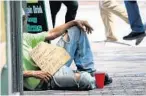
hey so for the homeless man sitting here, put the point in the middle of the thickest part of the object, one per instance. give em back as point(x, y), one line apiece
point(75, 42)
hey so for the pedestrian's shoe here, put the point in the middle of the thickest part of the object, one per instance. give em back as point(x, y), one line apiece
point(139, 40)
point(134, 35)
point(107, 80)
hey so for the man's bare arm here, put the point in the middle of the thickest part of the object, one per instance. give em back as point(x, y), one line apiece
point(58, 31)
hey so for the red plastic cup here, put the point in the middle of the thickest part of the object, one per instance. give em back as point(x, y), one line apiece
point(100, 77)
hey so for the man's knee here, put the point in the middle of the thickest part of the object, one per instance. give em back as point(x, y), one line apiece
point(74, 33)
point(75, 28)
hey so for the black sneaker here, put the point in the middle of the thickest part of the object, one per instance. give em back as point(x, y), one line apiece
point(134, 35)
point(139, 40)
point(107, 80)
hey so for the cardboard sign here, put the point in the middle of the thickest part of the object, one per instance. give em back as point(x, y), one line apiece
point(49, 57)
point(36, 21)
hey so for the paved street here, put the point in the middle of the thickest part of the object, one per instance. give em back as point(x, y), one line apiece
point(125, 62)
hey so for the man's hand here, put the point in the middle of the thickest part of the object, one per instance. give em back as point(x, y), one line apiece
point(84, 25)
point(45, 76)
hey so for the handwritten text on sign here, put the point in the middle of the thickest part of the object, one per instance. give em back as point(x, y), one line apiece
point(49, 57)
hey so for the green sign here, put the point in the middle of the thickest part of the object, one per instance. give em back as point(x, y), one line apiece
point(36, 21)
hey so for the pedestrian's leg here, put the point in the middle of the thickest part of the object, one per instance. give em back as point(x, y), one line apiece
point(107, 19)
point(72, 7)
point(115, 8)
point(54, 7)
point(135, 21)
point(134, 16)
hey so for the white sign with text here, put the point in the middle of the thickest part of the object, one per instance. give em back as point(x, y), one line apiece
point(48, 57)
